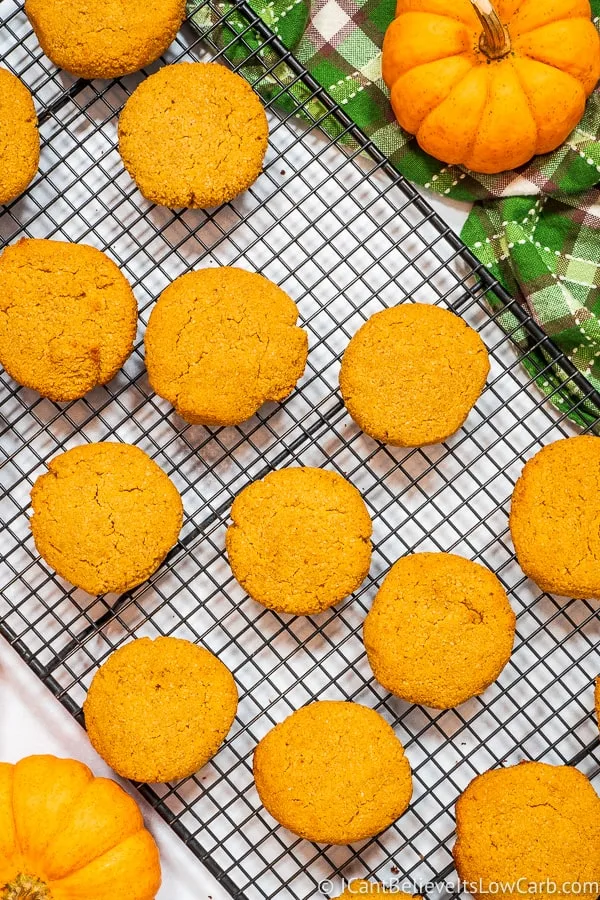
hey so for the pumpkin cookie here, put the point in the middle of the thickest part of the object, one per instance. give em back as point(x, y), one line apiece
point(69, 317)
point(554, 518)
point(220, 342)
point(194, 135)
point(105, 516)
point(19, 138)
point(525, 824)
point(158, 710)
point(440, 631)
point(411, 374)
point(333, 773)
point(300, 540)
point(104, 40)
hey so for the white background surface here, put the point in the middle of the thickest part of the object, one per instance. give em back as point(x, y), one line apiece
point(32, 721)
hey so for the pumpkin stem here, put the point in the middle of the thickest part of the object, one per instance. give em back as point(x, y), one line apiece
point(25, 887)
point(495, 40)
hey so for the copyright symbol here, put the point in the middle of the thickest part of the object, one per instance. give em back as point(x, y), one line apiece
point(326, 886)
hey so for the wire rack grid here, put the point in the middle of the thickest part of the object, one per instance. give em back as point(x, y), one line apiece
point(345, 236)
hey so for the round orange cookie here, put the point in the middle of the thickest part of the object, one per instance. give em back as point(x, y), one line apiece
point(104, 40)
point(527, 824)
point(220, 342)
point(19, 138)
point(105, 516)
point(411, 374)
point(333, 773)
point(440, 631)
point(193, 135)
point(68, 317)
point(300, 540)
point(555, 518)
point(159, 710)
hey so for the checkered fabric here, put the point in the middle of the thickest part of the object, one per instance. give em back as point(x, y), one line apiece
point(546, 252)
point(535, 228)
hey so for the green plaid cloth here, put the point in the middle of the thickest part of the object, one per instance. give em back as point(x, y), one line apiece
point(546, 252)
point(535, 228)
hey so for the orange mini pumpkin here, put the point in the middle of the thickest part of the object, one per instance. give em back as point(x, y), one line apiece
point(489, 87)
point(66, 835)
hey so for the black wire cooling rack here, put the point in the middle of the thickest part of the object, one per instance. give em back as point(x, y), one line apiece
point(345, 236)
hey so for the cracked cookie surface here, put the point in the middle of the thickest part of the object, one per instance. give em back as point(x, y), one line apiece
point(533, 822)
point(333, 772)
point(299, 541)
point(411, 374)
point(158, 710)
point(67, 317)
point(555, 518)
point(193, 135)
point(440, 630)
point(221, 342)
point(19, 137)
point(104, 40)
point(105, 516)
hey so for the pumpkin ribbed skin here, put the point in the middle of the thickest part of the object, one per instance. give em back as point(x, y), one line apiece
point(490, 115)
point(80, 837)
